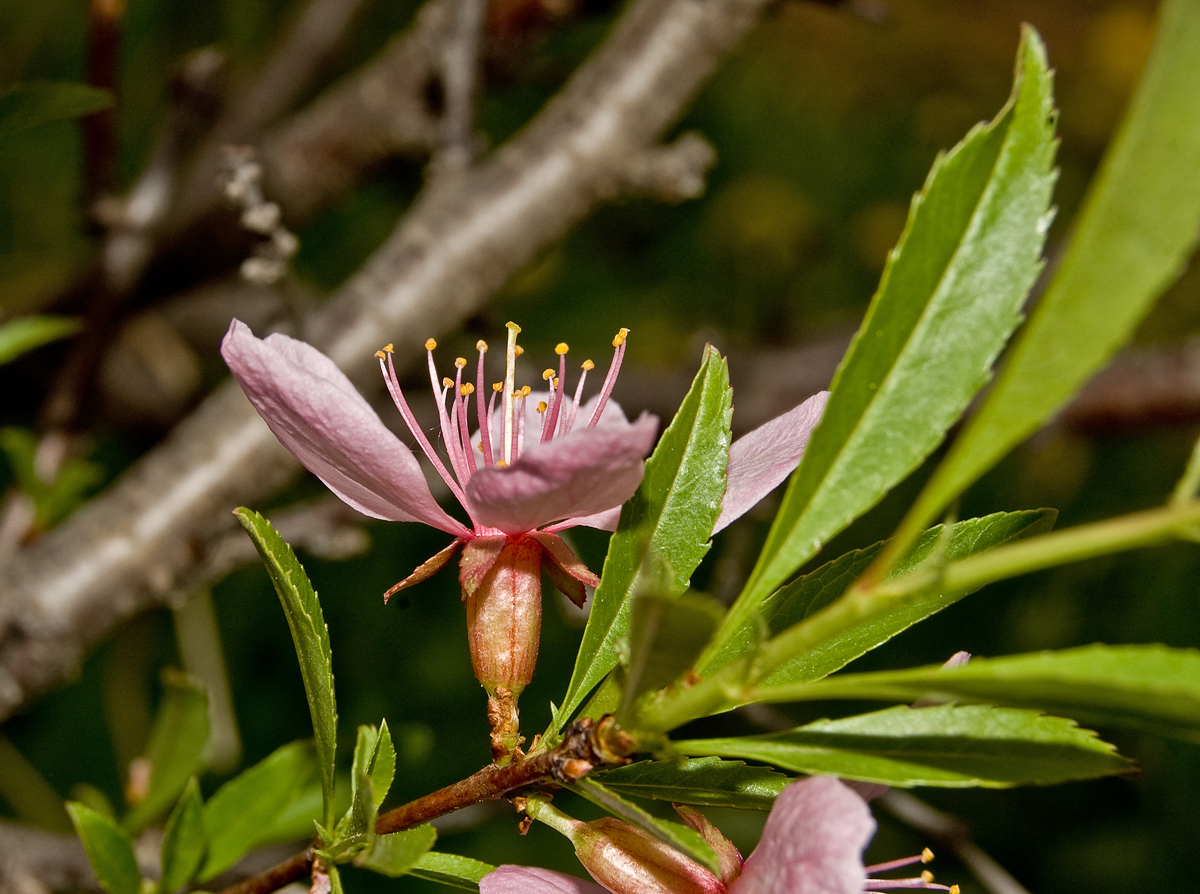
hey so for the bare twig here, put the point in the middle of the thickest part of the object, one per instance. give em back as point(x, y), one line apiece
point(124, 551)
point(99, 129)
point(460, 70)
point(952, 834)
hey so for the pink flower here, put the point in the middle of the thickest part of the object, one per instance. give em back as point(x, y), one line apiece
point(530, 471)
point(812, 844)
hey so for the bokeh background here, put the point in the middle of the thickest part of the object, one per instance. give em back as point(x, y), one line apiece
point(825, 122)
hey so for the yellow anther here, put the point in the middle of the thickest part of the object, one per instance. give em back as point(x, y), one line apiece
point(460, 362)
point(525, 391)
point(518, 350)
point(547, 375)
point(497, 387)
point(430, 344)
point(381, 355)
point(561, 348)
point(389, 347)
point(587, 365)
point(542, 406)
point(926, 876)
point(481, 345)
point(953, 889)
point(447, 383)
point(479, 446)
point(926, 856)
point(513, 326)
point(467, 389)
point(501, 464)
point(619, 339)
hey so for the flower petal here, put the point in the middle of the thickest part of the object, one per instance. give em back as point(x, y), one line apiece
point(761, 459)
point(601, 521)
point(585, 472)
point(321, 418)
point(531, 880)
point(812, 843)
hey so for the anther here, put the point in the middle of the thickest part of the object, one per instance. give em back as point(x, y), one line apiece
point(466, 389)
point(561, 348)
point(430, 344)
point(926, 856)
point(481, 345)
point(547, 375)
point(524, 392)
point(518, 351)
point(926, 876)
point(381, 355)
point(389, 347)
point(460, 362)
point(619, 339)
point(542, 406)
point(447, 383)
point(497, 387)
point(587, 365)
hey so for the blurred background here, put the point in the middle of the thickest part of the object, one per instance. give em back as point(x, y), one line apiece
point(824, 124)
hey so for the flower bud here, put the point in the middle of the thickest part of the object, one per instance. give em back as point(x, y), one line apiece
point(627, 860)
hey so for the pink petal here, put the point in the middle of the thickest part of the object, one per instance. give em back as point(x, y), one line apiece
point(601, 521)
point(531, 880)
point(760, 460)
point(321, 418)
point(582, 473)
point(812, 843)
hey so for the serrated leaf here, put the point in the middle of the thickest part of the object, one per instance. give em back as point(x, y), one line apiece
point(950, 296)
point(666, 637)
point(29, 105)
point(1138, 227)
point(356, 829)
point(241, 812)
point(109, 850)
point(677, 835)
point(26, 333)
point(383, 764)
point(311, 637)
point(175, 748)
point(704, 781)
point(1153, 687)
point(670, 518)
point(397, 853)
point(452, 870)
point(184, 841)
point(878, 622)
point(945, 745)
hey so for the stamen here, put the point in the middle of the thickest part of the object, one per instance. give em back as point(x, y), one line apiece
point(510, 374)
point(925, 856)
point(457, 463)
point(393, 386)
point(557, 395)
point(611, 378)
point(462, 426)
point(569, 419)
point(483, 414)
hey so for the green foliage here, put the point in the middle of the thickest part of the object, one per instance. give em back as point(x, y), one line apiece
point(949, 298)
point(945, 745)
point(241, 815)
point(451, 870)
point(311, 637)
point(670, 518)
point(1152, 687)
point(109, 849)
point(176, 748)
point(682, 838)
point(874, 624)
point(184, 841)
point(370, 778)
point(54, 500)
point(1137, 229)
point(23, 334)
point(704, 781)
point(396, 854)
point(30, 105)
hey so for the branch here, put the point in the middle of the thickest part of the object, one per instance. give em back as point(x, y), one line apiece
point(124, 552)
point(583, 749)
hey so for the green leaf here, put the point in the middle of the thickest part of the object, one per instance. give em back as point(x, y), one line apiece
point(452, 870)
point(950, 295)
point(670, 518)
point(240, 814)
point(311, 637)
point(396, 854)
point(1133, 238)
point(945, 745)
point(374, 765)
point(682, 838)
point(109, 850)
point(26, 333)
point(184, 841)
point(705, 781)
point(29, 105)
point(176, 747)
point(666, 636)
point(54, 500)
point(876, 621)
point(1153, 687)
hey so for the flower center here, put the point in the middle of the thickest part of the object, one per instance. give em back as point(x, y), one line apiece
point(558, 414)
